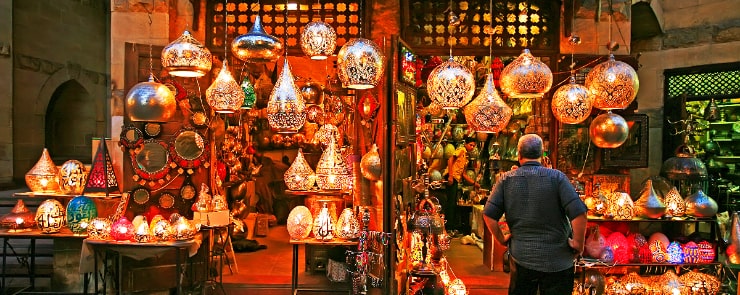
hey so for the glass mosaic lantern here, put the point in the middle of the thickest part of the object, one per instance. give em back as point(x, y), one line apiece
point(612, 84)
point(44, 176)
point(318, 40)
point(457, 287)
point(690, 252)
point(142, 233)
point(451, 85)
point(488, 113)
point(162, 230)
point(526, 76)
point(674, 203)
point(620, 207)
point(347, 226)
point(331, 169)
point(360, 64)
point(225, 95)
point(286, 111)
point(675, 253)
point(150, 101)
point(81, 210)
point(299, 176)
point(323, 224)
point(99, 229)
point(50, 216)
point(250, 97)
point(299, 223)
point(72, 177)
point(186, 57)
point(122, 230)
point(571, 103)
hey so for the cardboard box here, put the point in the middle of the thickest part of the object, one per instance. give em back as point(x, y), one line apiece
point(217, 218)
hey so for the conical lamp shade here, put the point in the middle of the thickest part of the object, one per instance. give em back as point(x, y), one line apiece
point(451, 85)
point(331, 169)
point(570, 103)
point(44, 176)
point(299, 175)
point(526, 76)
point(674, 203)
point(649, 205)
point(360, 64)
point(186, 57)
point(225, 95)
point(257, 46)
point(612, 84)
point(102, 178)
point(286, 112)
point(150, 102)
point(318, 40)
point(250, 97)
point(19, 217)
point(488, 113)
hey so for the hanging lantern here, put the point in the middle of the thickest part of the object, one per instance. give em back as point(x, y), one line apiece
point(142, 233)
point(451, 85)
point(331, 168)
point(457, 287)
point(186, 57)
point(257, 46)
point(225, 95)
point(700, 205)
point(612, 85)
point(526, 76)
point(299, 176)
point(314, 113)
point(318, 40)
point(323, 225)
point(162, 230)
point(184, 229)
point(649, 205)
point(684, 166)
point(570, 103)
point(50, 216)
point(286, 112)
point(360, 64)
point(347, 226)
point(99, 229)
point(150, 102)
point(609, 130)
point(19, 218)
point(488, 112)
point(122, 230)
point(44, 176)
point(621, 207)
point(368, 107)
point(299, 223)
point(370, 164)
point(81, 210)
point(72, 177)
point(674, 203)
point(312, 93)
point(250, 97)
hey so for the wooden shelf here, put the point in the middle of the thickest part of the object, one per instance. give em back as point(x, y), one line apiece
point(674, 219)
point(317, 193)
point(728, 105)
point(723, 123)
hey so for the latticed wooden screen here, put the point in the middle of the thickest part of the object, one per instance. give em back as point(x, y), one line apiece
point(344, 16)
point(697, 86)
point(513, 25)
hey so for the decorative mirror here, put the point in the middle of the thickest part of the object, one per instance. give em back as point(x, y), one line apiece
point(199, 119)
point(152, 129)
point(131, 137)
point(190, 149)
point(151, 160)
point(140, 196)
point(188, 190)
point(166, 200)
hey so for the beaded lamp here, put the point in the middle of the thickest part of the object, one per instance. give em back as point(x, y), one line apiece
point(286, 111)
point(526, 76)
point(571, 103)
point(360, 64)
point(44, 176)
point(225, 95)
point(612, 84)
point(488, 113)
point(186, 57)
point(299, 176)
point(318, 40)
point(451, 85)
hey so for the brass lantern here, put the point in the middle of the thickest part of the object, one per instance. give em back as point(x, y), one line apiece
point(674, 203)
point(72, 177)
point(299, 223)
point(360, 64)
point(570, 103)
point(99, 229)
point(299, 176)
point(488, 113)
point(451, 85)
point(186, 57)
point(526, 76)
point(257, 46)
point(347, 226)
point(612, 84)
point(19, 218)
point(225, 95)
point(326, 134)
point(371, 166)
point(286, 111)
point(649, 205)
point(331, 169)
point(318, 40)
point(150, 102)
point(608, 130)
point(44, 176)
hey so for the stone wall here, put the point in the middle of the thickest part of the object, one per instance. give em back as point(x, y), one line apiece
point(6, 93)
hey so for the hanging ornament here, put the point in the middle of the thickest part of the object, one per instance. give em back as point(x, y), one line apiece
point(225, 95)
point(370, 164)
point(250, 97)
point(368, 107)
point(286, 112)
point(186, 57)
point(299, 223)
point(609, 130)
point(526, 76)
point(299, 176)
point(488, 113)
point(44, 176)
point(257, 46)
point(360, 64)
point(312, 93)
point(612, 84)
point(72, 177)
point(150, 102)
point(347, 226)
point(451, 85)
point(570, 103)
point(649, 205)
point(318, 40)
point(700, 205)
point(81, 210)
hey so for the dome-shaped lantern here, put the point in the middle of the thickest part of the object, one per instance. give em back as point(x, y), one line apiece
point(609, 130)
point(570, 103)
point(488, 113)
point(257, 46)
point(684, 166)
point(360, 64)
point(451, 85)
point(286, 112)
point(612, 84)
point(318, 40)
point(225, 95)
point(150, 102)
point(526, 76)
point(186, 57)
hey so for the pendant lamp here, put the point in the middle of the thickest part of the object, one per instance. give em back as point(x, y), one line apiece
point(286, 112)
point(451, 85)
point(318, 40)
point(150, 102)
point(570, 103)
point(331, 169)
point(186, 57)
point(609, 130)
point(257, 46)
point(225, 95)
point(526, 76)
point(360, 64)
point(250, 97)
point(612, 84)
point(488, 113)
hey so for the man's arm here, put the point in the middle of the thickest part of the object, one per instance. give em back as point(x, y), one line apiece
point(579, 233)
point(492, 225)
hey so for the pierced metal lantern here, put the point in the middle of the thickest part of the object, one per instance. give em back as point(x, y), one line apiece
point(612, 84)
point(488, 113)
point(318, 40)
point(312, 93)
point(162, 230)
point(150, 102)
point(609, 130)
point(684, 166)
point(299, 223)
point(50, 216)
point(360, 64)
point(257, 46)
point(81, 210)
point(225, 95)
point(286, 111)
point(299, 176)
point(323, 224)
point(44, 176)
point(184, 229)
point(347, 226)
point(526, 76)
point(331, 169)
point(250, 97)
point(19, 218)
point(674, 203)
point(649, 205)
point(72, 177)
point(620, 207)
point(451, 85)
point(142, 233)
point(99, 229)
point(327, 134)
point(570, 103)
point(186, 57)
point(370, 165)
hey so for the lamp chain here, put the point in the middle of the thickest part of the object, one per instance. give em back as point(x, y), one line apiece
point(151, 64)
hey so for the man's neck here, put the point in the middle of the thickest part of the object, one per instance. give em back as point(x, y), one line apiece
point(525, 160)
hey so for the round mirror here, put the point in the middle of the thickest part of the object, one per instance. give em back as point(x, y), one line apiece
point(189, 145)
point(141, 196)
point(152, 129)
point(166, 200)
point(187, 192)
point(152, 157)
point(131, 137)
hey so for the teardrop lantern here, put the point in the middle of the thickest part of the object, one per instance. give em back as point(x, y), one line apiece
point(150, 102)
point(286, 111)
point(488, 113)
point(72, 177)
point(331, 168)
point(50, 216)
point(570, 103)
point(299, 176)
point(674, 203)
point(360, 64)
point(700, 205)
point(81, 210)
point(526, 76)
point(225, 95)
point(257, 46)
point(370, 164)
point(347, 226)
point(609, 130)
point(299, 223)
point(318, 40)
point(612, 84)
point(44, 176)
point(451, 85)
point(649, 205)
point(186, 57)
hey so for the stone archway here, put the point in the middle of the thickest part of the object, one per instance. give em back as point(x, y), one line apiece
point(70, 123)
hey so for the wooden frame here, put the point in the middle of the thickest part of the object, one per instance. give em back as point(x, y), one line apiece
point(609, 183)
point(633, 153)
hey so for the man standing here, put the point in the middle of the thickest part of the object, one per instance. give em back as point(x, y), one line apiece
point(547, 221)
point(456, 177)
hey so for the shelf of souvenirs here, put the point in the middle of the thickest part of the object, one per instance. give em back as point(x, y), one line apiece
point(595, 263)
point(66, 196)
point(318, 193)
point(664, 219)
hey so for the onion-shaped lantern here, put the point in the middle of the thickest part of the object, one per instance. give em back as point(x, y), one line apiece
point(570, 103)
point(99, 229)
point(488, 113)
point(186, 57)
point(250, 97)
point(72, 177)
point(331, 169)
point(257, 46)
point(612, 84)
point(370, 165)
point(360, 64)
point(122, 230)
point(286, 111)
point(50, 216)
point(81, 210)
point(609, 130)
point(526, 76)
point(184, 229)
point(318, 40)
point(649, 205)
point(299, 176)
point(700, 205)
point(225, 95)
point(150, 102)
point(451, 85)
point(299, 223)
point(684, 166)
point(19, 218)
point(44, 176)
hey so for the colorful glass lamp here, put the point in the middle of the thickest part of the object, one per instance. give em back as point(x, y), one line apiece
point(102, 177)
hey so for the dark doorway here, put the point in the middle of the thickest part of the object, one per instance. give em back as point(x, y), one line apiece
point(70, 123)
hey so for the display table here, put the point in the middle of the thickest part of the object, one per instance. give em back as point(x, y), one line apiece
point(105, 205)
point(313, 242)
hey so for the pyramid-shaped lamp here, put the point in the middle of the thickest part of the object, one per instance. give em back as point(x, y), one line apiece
point(102, 178)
